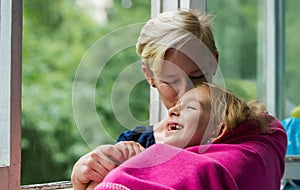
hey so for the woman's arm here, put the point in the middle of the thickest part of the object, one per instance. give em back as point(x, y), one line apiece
point(95, 165)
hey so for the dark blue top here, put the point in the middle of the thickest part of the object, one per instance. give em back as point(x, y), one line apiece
point(141, 134)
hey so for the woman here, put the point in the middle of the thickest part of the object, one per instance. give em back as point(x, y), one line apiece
point(178, 51)
point(247, 150)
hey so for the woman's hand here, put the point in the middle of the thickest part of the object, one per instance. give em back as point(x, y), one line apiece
point(95, 165)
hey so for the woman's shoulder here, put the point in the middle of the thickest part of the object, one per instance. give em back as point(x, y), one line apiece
point(136, 132)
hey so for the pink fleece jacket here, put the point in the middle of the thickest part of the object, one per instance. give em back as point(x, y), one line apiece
point(244, 159)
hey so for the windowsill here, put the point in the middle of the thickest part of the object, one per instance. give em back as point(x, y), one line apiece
point(292, 167)
point(63, 185)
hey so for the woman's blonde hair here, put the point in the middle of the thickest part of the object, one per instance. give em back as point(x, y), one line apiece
point(172, 30)
point(230, 110)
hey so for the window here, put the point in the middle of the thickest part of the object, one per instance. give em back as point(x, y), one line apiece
point(244, 16)
point(5, 67)
point(292, 52)
point(249, 36)
point(235, 30)
point(10, 95)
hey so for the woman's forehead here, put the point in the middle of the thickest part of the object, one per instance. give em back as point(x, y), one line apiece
point(180, 60)
point(172, 70)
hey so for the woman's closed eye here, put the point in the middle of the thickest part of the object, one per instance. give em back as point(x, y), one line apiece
point(173, 82)
point(170, 82)
point(199, 79)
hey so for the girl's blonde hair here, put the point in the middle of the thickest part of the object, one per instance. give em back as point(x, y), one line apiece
point(230, 110)
point(172, 30)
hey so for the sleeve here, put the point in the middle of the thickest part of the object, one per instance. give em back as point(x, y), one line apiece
point(141, 134)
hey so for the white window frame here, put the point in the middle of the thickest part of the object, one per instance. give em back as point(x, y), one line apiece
point(272, 56)
point(5, 46)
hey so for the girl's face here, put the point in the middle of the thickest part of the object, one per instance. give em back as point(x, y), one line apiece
point(188, 119)
point(178, 75)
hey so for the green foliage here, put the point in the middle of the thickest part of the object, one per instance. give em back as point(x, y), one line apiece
point(56, 35)
point(292, 66)
point(244, 89)
point(235, 31)
point(138, 98)
point(235, 27)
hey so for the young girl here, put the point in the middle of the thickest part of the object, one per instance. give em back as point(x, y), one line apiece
point(223, 111)
point(227, 145)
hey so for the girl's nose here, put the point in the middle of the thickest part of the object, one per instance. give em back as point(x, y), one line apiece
point(174, 111)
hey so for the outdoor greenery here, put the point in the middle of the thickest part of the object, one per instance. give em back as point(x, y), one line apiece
point(57, 34)
point(237, 36)
point(292, 67)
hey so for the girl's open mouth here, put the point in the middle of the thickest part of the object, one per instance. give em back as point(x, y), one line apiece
point(174, 127)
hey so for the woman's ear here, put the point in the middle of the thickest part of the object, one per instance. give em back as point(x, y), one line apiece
point(217, 62)
point(148, 76)
point(217, 55)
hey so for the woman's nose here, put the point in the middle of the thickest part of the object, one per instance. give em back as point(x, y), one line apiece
point(174, 111)
point(184, 87)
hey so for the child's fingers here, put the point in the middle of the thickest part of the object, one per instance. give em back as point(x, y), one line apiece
point(129, 148)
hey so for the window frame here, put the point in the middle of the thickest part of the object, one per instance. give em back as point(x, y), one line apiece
point(10, 175)
point(5, 45)
point(271, 56)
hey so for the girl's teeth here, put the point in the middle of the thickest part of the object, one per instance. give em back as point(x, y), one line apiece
point(175, 127)
point(178, 127)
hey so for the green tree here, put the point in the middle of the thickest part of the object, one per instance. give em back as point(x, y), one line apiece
point(56, 34)
point(292, 66)
point(235, 29)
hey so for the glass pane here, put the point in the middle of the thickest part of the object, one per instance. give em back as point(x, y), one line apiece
point(56, 36)
point(235, 30)
point(292, 52)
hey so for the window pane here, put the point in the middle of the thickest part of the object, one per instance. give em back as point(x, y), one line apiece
point(56, 36)
point(235, 29)
point(292, 52)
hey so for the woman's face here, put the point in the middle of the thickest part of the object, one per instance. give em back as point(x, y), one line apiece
point(178, 75)
point(188, 119)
